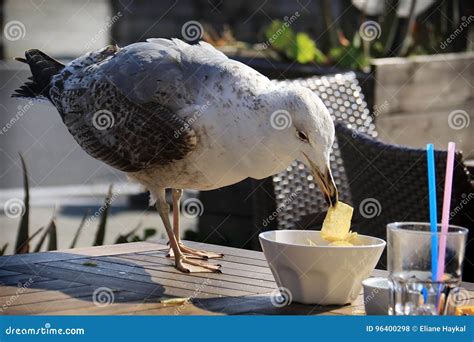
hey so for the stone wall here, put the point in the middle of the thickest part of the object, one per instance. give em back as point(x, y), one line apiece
point(62, 28)
point(426, 99)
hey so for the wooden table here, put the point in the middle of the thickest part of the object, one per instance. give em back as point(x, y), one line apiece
point(137, 279)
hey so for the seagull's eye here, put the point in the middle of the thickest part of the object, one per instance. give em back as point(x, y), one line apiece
point(302, 136)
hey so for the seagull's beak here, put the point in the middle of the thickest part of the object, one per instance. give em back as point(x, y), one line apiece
point(325, 182)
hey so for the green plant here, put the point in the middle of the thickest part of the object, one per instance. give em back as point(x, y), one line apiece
point(420, 31)
point(100, 235)
point(53, 236)
point(89, 263)
point(22, 241)
point(132, 237)
point(350, 55)
point(295, 46)
point(79, 229)
point(3, 249)
point(41, 241)
point(29, 239)
point(51, 233)
point(23, 238)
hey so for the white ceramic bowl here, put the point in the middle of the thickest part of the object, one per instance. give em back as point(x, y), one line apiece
point(319, 274)
point(376, 296)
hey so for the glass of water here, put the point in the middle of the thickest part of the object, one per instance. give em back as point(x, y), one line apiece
point(412, 288)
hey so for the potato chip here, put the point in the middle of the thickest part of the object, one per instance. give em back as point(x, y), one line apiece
point(337, 223)
point(175, 301)
point(341, 244)
point(352, 237)
point(465, 311)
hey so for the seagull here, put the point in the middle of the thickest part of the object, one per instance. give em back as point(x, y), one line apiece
point(177, 116)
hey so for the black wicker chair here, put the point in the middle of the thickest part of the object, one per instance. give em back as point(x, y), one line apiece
point(389, 183)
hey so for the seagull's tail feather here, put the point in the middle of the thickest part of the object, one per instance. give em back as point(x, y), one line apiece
point(43, 69)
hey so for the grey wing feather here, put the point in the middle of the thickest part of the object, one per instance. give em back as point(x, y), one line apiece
point(127, 135)
point(170, 72)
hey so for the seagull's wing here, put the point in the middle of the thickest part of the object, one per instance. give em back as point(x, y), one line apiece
point(117, 118)
point(170, 72)
point(133, 137)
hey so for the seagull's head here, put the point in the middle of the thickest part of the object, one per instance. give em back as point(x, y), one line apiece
point(309, 136)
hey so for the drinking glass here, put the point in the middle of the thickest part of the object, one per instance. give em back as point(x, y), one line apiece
point(413, 291)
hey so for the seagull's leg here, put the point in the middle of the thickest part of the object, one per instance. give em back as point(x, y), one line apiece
point(188, 251)
point(176, 195)
point(182, 263)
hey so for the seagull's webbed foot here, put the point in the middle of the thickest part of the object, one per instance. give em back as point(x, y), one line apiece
point(200, 254)
point(192, 253)
point(186, 265)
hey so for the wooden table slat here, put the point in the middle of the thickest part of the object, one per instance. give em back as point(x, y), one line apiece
point(78, 253)
point(218, 249)
point(37, 286)
point(49, 296)
point(5, 273)
point(51, 307)
point(21, 278)
point(218, 280)
point(146, 277)
point(240, 272)
point(236, 276)
point(225, 264)
point(134, 282)
point(230, 258)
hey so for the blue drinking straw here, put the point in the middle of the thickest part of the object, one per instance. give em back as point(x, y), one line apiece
point(424, 292)
point(433, 216)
